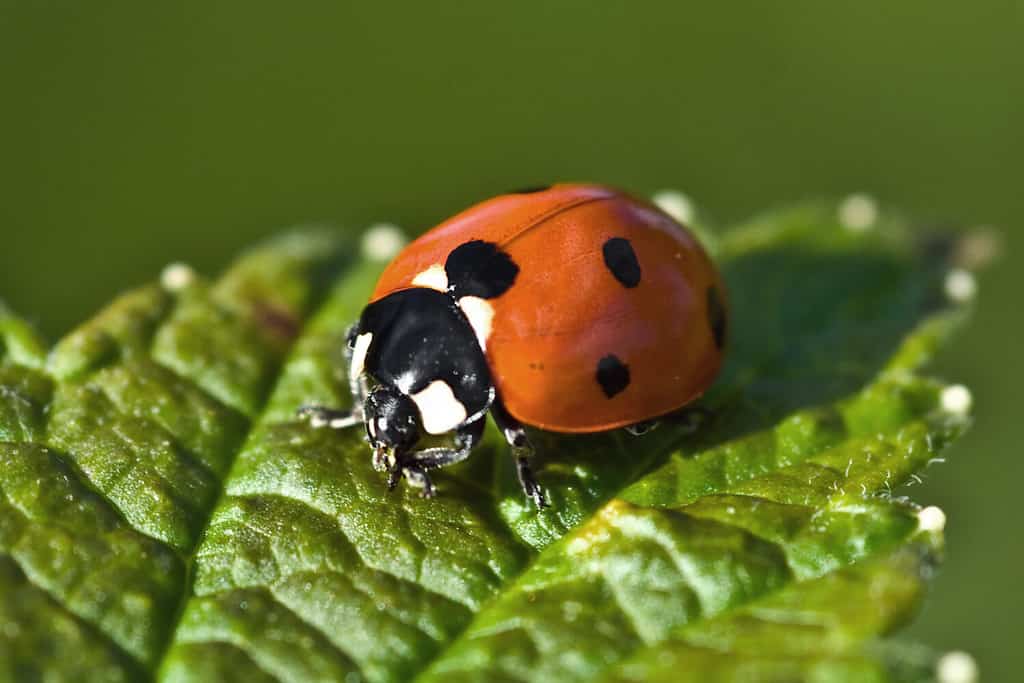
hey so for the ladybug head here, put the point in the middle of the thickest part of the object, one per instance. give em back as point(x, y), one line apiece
point(392, 419)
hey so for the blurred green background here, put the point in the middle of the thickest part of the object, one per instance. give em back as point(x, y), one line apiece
point(133, 134)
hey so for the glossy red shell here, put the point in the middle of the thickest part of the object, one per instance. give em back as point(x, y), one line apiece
point(566, 310)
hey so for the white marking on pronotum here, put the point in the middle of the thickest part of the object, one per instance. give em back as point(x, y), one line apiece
point(931, 518)
point(675, 204)
point(956, 667)
point(177, 276)
point(440, 411)
point(433, 277)
point(858, 212)
point(359, 353)
point(480, 314)
point(956, 399)
point(961, 285)
point(382, 242)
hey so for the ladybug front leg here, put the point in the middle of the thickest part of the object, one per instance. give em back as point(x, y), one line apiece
point(522, 451)
point(466, 438)
point(321, 416)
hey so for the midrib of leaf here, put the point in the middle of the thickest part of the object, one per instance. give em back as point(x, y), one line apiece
point(279, 280)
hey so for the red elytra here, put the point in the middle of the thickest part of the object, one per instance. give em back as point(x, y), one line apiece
point(617, 315)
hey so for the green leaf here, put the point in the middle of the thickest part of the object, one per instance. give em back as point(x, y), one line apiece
point(801, 632)
point(163, 514)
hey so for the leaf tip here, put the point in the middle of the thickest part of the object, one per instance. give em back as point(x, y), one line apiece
point(956, 667)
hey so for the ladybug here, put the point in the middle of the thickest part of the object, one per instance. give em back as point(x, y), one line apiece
point(573, 308)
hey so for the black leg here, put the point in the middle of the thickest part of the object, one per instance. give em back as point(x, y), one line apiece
point(466, 438)
point(522, 451)
point(321, 416)
point(414, 465)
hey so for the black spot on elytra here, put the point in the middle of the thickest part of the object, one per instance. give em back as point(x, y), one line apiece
point(612, 375)
point(717, 317)
point(479, 268)
point(532, 190)
point(621, 261)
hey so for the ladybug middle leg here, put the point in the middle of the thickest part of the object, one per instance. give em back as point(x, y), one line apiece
point(322, 416)
point(522, 451)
